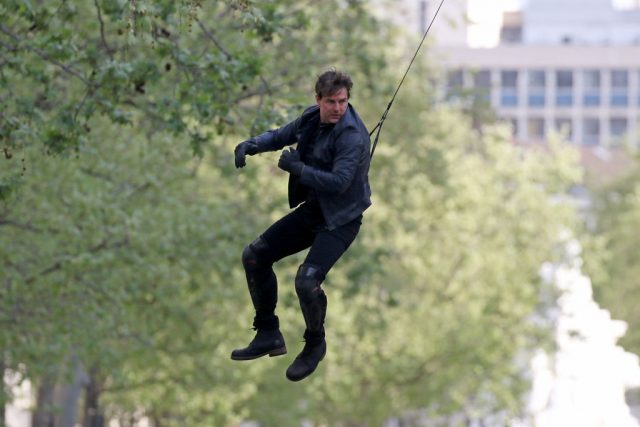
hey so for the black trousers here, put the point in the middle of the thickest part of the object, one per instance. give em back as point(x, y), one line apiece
point(305, 228)
point(302, 228)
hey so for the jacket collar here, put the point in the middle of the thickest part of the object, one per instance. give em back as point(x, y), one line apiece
point(348, 119)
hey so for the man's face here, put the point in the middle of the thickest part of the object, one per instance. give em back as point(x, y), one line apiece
point(333, 107)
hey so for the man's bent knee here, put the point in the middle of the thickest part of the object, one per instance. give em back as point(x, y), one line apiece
point(308, 281)
point(255, 255)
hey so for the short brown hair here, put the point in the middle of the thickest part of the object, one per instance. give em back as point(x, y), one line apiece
point(332, 81)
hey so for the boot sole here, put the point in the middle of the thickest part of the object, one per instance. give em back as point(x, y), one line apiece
point(307, 374)
point(272, 353)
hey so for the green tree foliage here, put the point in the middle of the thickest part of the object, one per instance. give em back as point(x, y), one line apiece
point(613, 260)
point(91, 269)
point(108, 256)
point(65, 62)
point(185, 68)
point(122, 251)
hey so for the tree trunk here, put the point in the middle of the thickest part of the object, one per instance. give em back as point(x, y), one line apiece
point(71, 395)
point(44, 415)
point(57, 405)
point(92, 415)
point(3, 395)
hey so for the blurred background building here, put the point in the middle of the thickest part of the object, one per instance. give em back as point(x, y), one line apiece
point(547, 66)
point(567, 68)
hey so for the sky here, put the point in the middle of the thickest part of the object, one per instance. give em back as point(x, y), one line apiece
point(624, 4)
point(515, 4)
point(487, 15)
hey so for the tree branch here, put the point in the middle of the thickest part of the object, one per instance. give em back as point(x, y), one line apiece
point(8, 47)
point(215, 41)
point(26, 227)
point(81, 104)
point(98, 175)
point(226, 53)
point(46, 57)
point(102, 36)
point(55, 12)
point(59, 264)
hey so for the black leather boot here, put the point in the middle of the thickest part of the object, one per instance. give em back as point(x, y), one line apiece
point(313, 303)
point(307, 361)
point(268, 341)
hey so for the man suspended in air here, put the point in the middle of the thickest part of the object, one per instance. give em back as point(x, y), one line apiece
point(329, 189)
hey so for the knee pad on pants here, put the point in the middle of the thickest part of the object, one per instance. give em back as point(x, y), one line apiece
point(308, 281)
point(255, 256)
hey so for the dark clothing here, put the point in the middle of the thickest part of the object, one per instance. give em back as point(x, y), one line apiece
point(329, 194)
point(304, 228)
point(311, 198)
point(298, 230)
point(329, 189)
point(336, 163)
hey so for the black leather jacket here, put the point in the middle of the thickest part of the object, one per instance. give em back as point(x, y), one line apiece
point(340, 163)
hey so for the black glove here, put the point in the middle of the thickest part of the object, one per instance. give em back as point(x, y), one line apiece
point(249, 147)
point(290, 162)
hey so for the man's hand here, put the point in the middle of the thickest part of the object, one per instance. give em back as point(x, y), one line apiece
point(290, 162)
point(249, 147)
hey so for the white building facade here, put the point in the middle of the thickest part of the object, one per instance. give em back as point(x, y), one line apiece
point(579, 22)
point(591, 94)
point(568, 65)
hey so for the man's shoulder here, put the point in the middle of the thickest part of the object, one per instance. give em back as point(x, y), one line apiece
point(351, 121)
point(310, 111)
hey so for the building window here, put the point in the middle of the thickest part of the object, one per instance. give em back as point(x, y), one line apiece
point(537, 88)
point(564, 126)
point(511, 35)
point(591, 131)
point(509, 88)
point(482, 85)
point(592, 84)
point(638, 88)
point(564, 88)
point(455, 81)
point(535, 128)
point(618, 127)
point(619, 88)
point(511, 31)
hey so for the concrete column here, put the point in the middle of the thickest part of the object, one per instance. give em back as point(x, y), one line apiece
point(577, 112)
point(633, 115)
point(550, 96)
point(495, 88)
point(522, 107)
point(604, 110)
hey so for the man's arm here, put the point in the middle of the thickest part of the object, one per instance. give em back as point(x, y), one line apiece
point(276, 139)
point(349, 149)
point(272, 140)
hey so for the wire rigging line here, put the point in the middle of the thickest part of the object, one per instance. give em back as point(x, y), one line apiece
point(384, 115)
